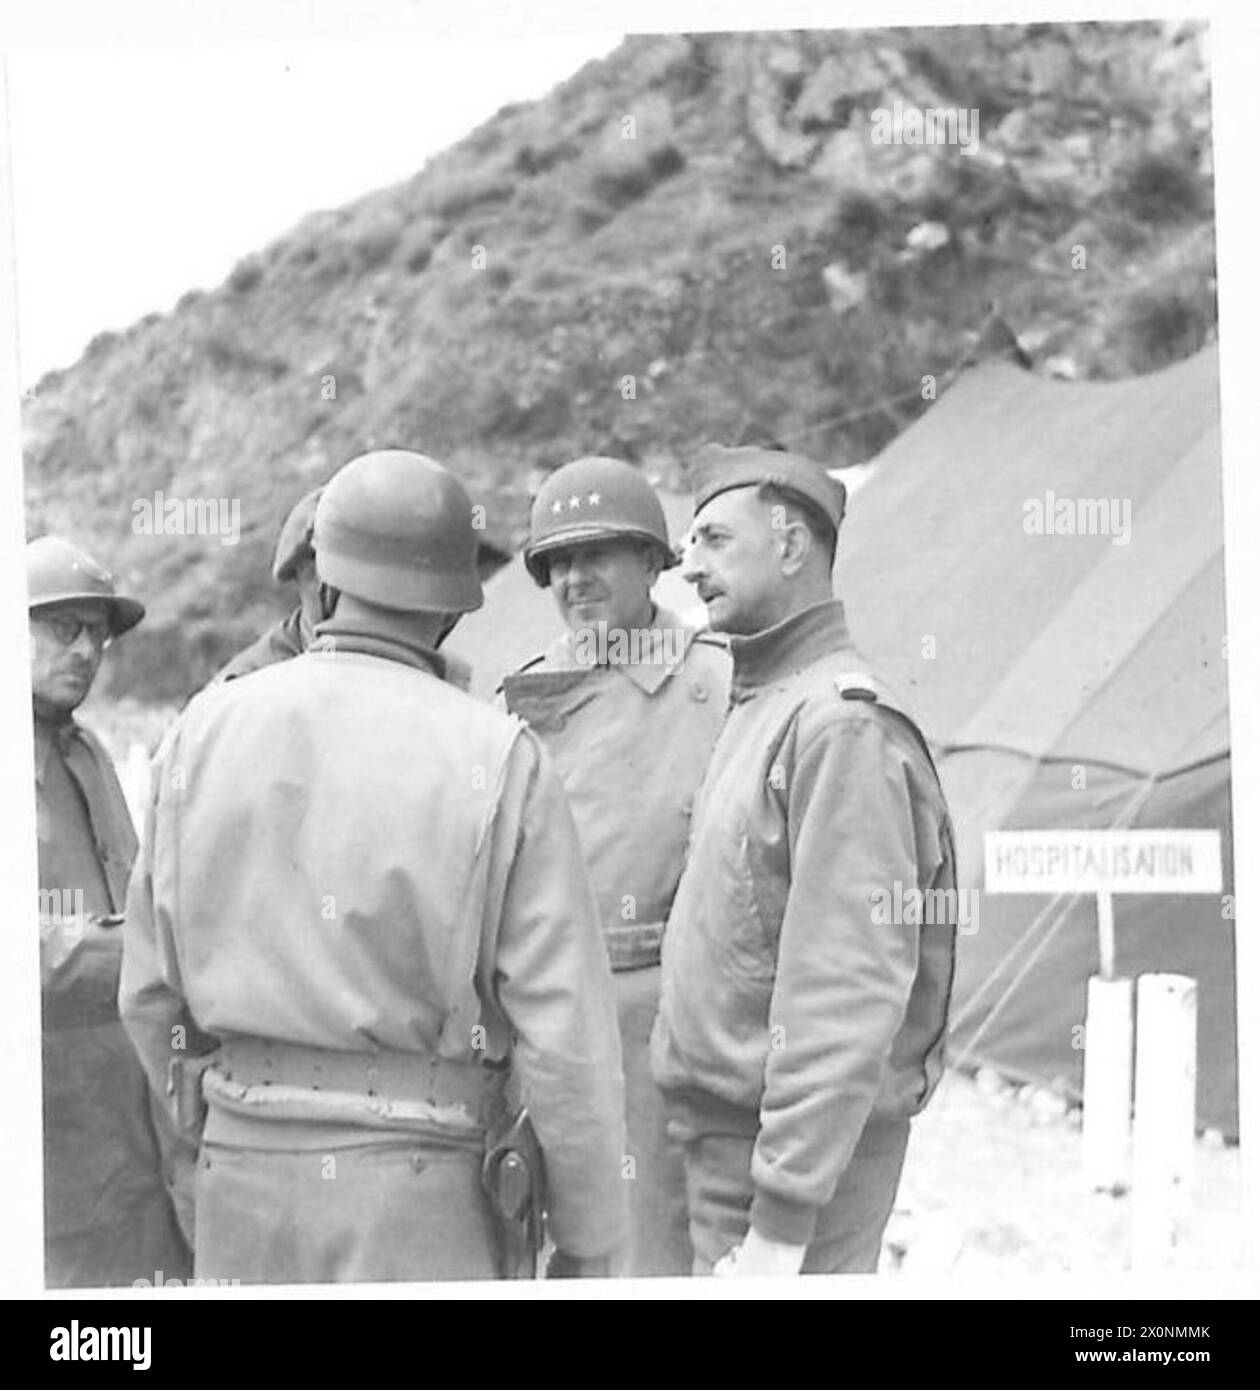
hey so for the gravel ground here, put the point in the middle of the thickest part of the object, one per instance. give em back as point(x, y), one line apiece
point(993, 1183)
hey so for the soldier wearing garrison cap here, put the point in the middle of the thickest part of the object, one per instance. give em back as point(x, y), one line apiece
point(108, 1218)
point(362, 900)
point(628, 700)
point(717, 470)
point(798, 1031)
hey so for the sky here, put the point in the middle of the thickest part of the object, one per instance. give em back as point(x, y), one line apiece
point(140, 174)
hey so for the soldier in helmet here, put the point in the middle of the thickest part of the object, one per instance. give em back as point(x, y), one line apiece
point(108, 1218)
point(361, 902)
point(629, 701)
point(294, 563)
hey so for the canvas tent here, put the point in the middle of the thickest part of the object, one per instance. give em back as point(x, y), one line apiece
point(1063, 680)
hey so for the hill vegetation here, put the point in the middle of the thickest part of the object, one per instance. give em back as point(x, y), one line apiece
point(696, 238)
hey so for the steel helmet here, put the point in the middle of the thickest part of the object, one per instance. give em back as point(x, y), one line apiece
point(57, 572)
point(396, 529)
point(294, 542)
point(594, 499)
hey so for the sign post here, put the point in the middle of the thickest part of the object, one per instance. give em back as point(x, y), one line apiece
point(1105, 862)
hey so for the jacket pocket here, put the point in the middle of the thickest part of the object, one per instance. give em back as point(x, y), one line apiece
point(741, 944)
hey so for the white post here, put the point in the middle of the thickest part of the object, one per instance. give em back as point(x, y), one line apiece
point(1108, 1089)
point(1163, 1126)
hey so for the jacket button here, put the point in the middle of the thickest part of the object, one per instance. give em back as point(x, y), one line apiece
point(699, 692)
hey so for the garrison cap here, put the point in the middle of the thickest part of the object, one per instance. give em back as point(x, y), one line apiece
point(716, 469)
point(294, 543)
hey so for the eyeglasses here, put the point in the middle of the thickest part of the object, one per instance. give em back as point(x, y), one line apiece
point(66, 629)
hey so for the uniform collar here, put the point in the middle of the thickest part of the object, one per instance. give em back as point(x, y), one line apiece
point(50, 734)
point(347, 635)
point(649, 676)
point(290, 632)
point(787, 647)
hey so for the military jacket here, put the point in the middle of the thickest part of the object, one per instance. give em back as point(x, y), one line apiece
point(631, 740)
point(799, 996)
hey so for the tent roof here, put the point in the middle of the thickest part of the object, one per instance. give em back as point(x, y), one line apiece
point(1051, 645)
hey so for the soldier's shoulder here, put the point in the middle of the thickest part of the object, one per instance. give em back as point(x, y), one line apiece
point(845, 698)
point(455, 708)
point(557, 655)
point(255, 689)
point(843, 691)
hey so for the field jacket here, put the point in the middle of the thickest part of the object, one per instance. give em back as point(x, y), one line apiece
point(797, 1001)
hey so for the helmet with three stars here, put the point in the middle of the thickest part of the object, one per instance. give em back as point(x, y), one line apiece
point(594, 499)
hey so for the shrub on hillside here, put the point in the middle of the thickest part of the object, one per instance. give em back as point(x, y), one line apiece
point(375, 244)
point(859, 225)
point(245, 275)
point(625, 176)
point(450, 195)
point(100, 345)
point(417, 250)
point(1161, 325)
point(587, 216)
point(537, 159)
point(1160, 187)
point(226, 354)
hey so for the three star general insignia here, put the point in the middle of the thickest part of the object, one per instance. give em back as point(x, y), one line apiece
point(575, 502)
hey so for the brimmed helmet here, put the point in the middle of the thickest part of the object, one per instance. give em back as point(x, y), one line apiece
point(58, 572)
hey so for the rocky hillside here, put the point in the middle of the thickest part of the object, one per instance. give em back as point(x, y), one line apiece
point(695, 238)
